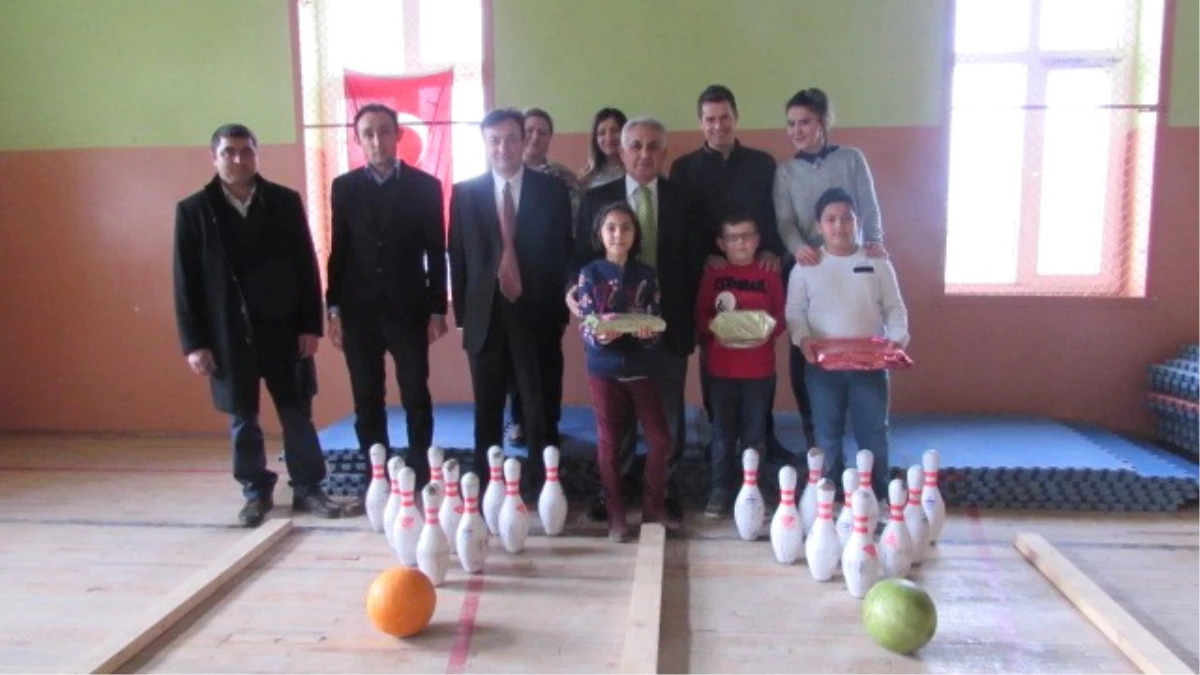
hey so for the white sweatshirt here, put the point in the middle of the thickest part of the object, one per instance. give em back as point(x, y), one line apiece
point(846, 297)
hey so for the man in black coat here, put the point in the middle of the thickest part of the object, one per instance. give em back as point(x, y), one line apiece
point(510, 244)
point(674, 244)
point(248, 307)
point(387, 283)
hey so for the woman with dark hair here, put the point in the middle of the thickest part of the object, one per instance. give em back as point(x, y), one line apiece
point(817, 166)
point(604, 159)
point(620, 364)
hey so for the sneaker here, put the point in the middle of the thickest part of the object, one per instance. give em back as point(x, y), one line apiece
point(515, 435)
point(255, 511)
point(718, 504)
point(316, 502)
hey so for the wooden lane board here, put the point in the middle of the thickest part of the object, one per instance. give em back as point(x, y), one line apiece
point(560, 606)
point(1142, 647)
point(642, 628)
point(729, 607)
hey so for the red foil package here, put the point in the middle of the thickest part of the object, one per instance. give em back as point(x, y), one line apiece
point(873, 353)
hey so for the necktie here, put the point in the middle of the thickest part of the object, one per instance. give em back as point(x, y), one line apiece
point(644, 206)
point(509, 273)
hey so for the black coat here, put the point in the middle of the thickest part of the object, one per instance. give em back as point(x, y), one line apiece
point(543, 244)
point(681, 249)
point(212, 309)
point(377, 263)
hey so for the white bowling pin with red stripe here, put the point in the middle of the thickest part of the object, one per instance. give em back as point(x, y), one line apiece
point(808, 499)
point(514, 517)
point(471, 540)
point(787, 530)
point(377, 490)
point(931, 495)
point(552, 502)
point(433, 553)
point(822, 548)
point(393, 503)
point(406, 531)
point(860, 559)
point(914, 513)
point(865, 462)
point(493, 496)
point(895, 543)
point(748, 509)
point(845, 521)
point(452, 505)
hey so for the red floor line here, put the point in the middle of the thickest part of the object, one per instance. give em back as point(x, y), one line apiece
point(979, 534)
point(461, 648)
point(110, 469)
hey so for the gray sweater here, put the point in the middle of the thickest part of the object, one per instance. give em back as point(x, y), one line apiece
point(799, 183)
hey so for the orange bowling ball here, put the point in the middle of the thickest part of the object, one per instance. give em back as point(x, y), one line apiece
point(401, 601)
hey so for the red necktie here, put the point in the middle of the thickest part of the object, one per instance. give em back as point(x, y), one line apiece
point(509, 273)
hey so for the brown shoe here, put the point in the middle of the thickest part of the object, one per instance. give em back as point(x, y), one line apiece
point(255, 511)
point(316, 502)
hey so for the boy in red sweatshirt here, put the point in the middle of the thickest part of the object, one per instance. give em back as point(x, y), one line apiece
point(741, 376)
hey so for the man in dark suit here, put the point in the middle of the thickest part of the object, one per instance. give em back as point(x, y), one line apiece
point(674, 244)
point(248, 307)
point(387, 283)
point(510, 246)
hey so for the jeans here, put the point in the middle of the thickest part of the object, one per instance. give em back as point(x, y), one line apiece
point(864, 395)
point(740, 411)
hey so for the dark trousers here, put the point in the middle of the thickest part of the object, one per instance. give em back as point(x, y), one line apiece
point(550, 362)
point(865, 396)
point(740, 412)
point(366, 341)
point(617, 403)
point(670, 378)
point(510, 351)
point(301, 449)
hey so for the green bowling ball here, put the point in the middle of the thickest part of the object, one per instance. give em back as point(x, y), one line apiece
point(899, 615)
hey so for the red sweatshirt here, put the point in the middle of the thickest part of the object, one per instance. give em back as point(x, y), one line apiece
point(744, 287)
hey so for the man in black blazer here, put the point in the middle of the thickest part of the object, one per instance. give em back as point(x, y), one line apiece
point(674, 243)
point(510, 247)
point(248, 308)
point(387, 282)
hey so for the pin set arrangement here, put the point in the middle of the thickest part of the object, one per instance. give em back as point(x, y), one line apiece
point(1173, 397)
point(806, 528)
point(454, 519)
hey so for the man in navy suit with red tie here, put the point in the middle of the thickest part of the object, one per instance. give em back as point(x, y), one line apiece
point(510, 244)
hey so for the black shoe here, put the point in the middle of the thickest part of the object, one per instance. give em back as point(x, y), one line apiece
point(673, 508)
point(316, 502)
point(255, 510)
point(598, 511)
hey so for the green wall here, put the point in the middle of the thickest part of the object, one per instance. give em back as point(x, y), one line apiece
point(1185, 72)
point(118, 73)
point(878, 60)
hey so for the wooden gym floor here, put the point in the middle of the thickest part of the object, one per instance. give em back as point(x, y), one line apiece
point(94, 531)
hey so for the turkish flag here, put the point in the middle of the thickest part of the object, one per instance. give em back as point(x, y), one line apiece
point(422, 102)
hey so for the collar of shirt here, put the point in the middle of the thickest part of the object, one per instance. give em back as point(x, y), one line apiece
point(631, 187)
point(814, 157)
point(379, 178)
point(243, 208)
point(708, 150)
point(516, 189)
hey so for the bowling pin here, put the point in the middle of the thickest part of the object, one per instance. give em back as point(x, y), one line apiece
point(914, 514)
point(895, 543)
point(860, 559)
point(433, 553)
point(452, 505)
point(393, 503)
point(808, 499)
point(845, 521)
point(514, 517)
point(493, 496)
point(748, 509)
point(378, 488)
point(787, 530)
point(865, 461)
point(406, 531)
point(931, 496)
point(472, 536)
point(552, 502)
point(822, 548)
point(436, 458)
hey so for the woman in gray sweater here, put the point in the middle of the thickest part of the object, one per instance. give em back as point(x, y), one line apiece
point(817, 166)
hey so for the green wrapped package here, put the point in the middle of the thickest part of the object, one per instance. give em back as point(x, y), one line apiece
point(742, 329)
point(624, 323)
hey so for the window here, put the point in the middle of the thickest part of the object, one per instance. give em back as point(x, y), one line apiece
point(391, 38)
point(1053, 116)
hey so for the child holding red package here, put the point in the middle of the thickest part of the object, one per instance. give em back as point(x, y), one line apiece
point(846, 295)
